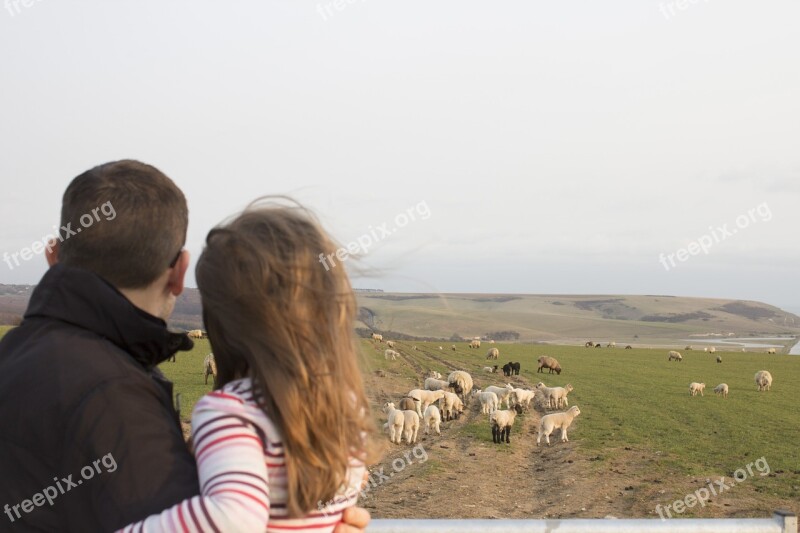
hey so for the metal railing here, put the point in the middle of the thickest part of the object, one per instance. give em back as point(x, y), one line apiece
point(781, 522)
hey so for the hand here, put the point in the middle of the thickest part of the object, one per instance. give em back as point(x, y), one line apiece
point(354, 520)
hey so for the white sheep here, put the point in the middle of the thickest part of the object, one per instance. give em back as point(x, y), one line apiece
point(395, 422)
point(410, 426)
point(719, 359)
point(551, 422)
point(522, 397)
point(461, 383)
point(722, 389)
point(451, 405)
point(712, 350)
point(390, 354)
point(432, 419)
point(493, 353)
point(436, 384)
point(490, 369)
point(501, 422)
point(772, 351)
point(763, 380)
point(695, 387)
point(377, 337)
point(546, 393)
point(674, 355)
point(475, 343)
point(488, 401)
point(390, 344)
point(453, 347)
point(424, 398)
point(558, 396)
point(503, 393)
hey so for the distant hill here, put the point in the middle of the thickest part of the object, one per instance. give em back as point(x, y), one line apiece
point(639, 319)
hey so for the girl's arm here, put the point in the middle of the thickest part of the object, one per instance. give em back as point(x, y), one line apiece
point(232, 472)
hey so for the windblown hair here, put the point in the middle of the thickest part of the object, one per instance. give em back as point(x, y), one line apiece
point(275, 314)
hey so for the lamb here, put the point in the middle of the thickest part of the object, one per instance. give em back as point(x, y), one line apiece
point(451, 405)
point(722, 389)
point(390, 344)
point(432, 419)
point(210, 368)
point(719, 359)
point(763, 380)
point(503, 394)
point(507, 369)
point(377, 337)
point(522, 397)
point(410, 426)
point(408, 404)
point(493, 353)
point(515, 368)
point(674, 355)
point(501, 422)
point(549, 362)
point(695, 387)
point(558, 396)
point(489, 402)
point(551, 422)
point(772, 351)
point(545, 390)
point(395, 422)
point(423, 398)
point(390, 354)
point(490, 369)
point(460, 382)
point(436, 384)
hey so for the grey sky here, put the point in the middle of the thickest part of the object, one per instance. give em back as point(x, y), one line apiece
point(559, 147)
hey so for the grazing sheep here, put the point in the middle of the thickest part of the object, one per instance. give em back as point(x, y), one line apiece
point(722, 389)
point(629, 347)
point(548, 362)
point(489, 402)
point(763, 380)
point(612, 344)
point(551, 422)
point(712, 350)
point(674, 355)
point(475, 344)
point(503, 394)
point(195, 334)
point(558, 396)
point(507, 369)
point(423, 398)
point(719, 359)
point(453, 347)
point(515, 368)
point(451, 406)
point(435, 384)
point(432, 419)
point(598, 345)
point(377, 337)
point(493, 353)
point(695, 387)
point(688, 348)
point(395, 422)
point(434, 374)
point(410, 426)
point(501, 422)
point(390, 354)
point(390, 344)
point(210, 368)
point(589, 344)
point(461, 383)
point(408, 404)
point(772, 351)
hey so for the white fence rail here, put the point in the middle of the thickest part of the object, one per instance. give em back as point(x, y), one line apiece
point(781, 522)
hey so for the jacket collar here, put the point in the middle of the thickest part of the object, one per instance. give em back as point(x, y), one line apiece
point(84, 299)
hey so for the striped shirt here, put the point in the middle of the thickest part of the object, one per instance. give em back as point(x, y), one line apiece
point(242, 472)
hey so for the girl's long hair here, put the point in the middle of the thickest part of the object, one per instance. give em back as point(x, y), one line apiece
point(276, 314)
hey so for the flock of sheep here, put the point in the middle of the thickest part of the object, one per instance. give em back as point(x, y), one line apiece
point(762, 378)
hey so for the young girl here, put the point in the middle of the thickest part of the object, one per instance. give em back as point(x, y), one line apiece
point(281, 444)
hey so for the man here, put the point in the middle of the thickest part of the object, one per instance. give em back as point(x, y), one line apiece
point(90, 440)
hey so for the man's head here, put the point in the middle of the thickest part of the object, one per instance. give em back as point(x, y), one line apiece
point(125, 221)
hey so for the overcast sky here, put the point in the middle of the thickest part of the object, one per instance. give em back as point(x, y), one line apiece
point(536, 147)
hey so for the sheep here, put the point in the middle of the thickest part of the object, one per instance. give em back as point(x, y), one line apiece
point(196, 334)
point(435, 384)
point(210, 368)
point(522, 397)
point(549, 362)
point(589, 344)
point(460, 382)
point(763, 380)
point(501, 422)
point(377, 337)
point(712, 350)
point(410, 426)
point(719, 359)
point(490, 369)
point(688, 348)
point(441, 347)
point(695, 387)
point(432, 419)
point(408, 404)
point(390, 354)
point(772, 351)
point(507, 369)
point(558, 396)
point(414, 347)
point(390, 344)
point(722, 389)
point(674, 355)
point(489, 402)
point(434, 374)
point(503, 394)
point(598, 345)
point(551, 422)
point(395, 422)
point(705, 349)
point(515, 368)
point(453, 347)
point(475, 343)
point(612, 344)
point(423, 398)
point(629, 347)
point(493, 353)
point(451, 406)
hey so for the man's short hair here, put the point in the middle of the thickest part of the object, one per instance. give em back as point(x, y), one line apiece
point(125, 221)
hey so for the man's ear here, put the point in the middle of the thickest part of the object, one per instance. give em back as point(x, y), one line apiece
point(51, 252)
point(177, 274)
